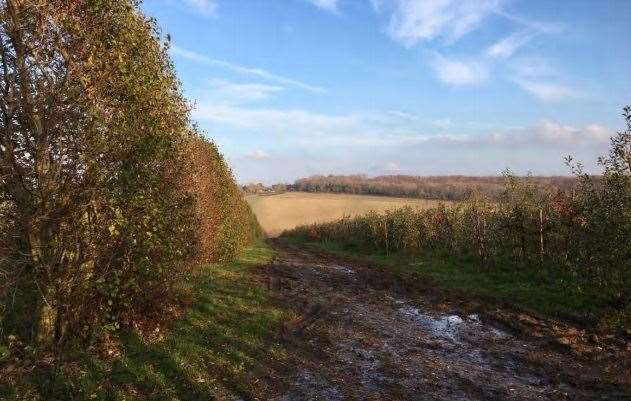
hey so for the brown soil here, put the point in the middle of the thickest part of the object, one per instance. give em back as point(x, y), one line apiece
point(363, 333)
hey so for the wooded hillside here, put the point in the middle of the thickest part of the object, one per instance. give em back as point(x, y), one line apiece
point(433, 187)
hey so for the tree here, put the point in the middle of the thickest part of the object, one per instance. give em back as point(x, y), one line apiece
point(603, 223)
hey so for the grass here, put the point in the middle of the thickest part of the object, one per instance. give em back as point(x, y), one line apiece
point(205, 354)
point(543, 290)
point(277, 213)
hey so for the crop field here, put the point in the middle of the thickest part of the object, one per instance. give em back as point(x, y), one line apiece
point(277, 213)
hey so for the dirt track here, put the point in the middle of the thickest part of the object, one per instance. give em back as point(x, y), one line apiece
point(360, 333)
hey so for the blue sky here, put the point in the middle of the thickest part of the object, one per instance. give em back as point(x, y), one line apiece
point(291, 88)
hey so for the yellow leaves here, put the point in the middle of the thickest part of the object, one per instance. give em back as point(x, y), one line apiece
point(113, 230)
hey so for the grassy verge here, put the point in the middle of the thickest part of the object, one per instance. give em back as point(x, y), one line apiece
point(545, 290)
point(205, 354)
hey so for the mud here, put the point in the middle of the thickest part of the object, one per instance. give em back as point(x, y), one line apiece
point(360, 333)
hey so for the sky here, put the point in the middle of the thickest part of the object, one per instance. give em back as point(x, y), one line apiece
point(293, 88)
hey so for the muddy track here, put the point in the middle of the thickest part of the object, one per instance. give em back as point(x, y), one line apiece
point(362, 333)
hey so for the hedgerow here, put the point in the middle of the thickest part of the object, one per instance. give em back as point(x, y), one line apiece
point(103, 211)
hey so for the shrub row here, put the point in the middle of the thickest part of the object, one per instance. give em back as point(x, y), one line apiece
point(586, 230)
point(108, 195)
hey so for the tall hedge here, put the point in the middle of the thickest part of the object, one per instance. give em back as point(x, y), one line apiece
point(226, 222)
point(99, 218)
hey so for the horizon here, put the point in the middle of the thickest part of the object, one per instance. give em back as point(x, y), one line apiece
point(368, 176)
point(291, 89)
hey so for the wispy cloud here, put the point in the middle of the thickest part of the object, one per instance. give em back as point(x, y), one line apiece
point(255, 72)
point(414, 21)
point(459, 72)
point(507, 46)
point(327, 5)
point(541, 78)
point(292, 121)
point(535, 67)
point(546, 134)
point(402, 115)
point(206, 7)
point(547, 91)
point(227, 91)
point(535, 26)
point(307, 131)
point(530, 29)
point(258, 155)
point(443, 123)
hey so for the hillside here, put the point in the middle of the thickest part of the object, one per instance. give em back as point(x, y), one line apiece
point(280, 212)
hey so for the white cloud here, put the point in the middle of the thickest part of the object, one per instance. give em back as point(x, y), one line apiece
point(541, 78)
point(190, 55)
point(457, 72)
point(237, 92)
point(258, 155)
point(543, 135)
point(402, 115)
point(536, 26)
point(553, 132)
point(392, 168)
point(274, 120)
point(598, 133)
point(548, 91)
point(509, 45)
point(535, 67)
point(414, 20)
point(256, 72)
point(206, 7)
point(327, 5)
point(443, 123)
point(307, 129)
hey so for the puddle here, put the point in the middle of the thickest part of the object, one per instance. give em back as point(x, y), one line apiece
point(336, 268)
point(449, 326)
point(368, 364)
point(311, 387)
point(342, 269)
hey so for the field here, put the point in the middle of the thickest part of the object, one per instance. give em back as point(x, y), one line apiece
point(277, 213)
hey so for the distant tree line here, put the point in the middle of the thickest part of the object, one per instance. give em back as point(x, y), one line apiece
point(436, 187)
point(109, 197)
point(260, 188)
point(582, 230)
point(453, 188)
